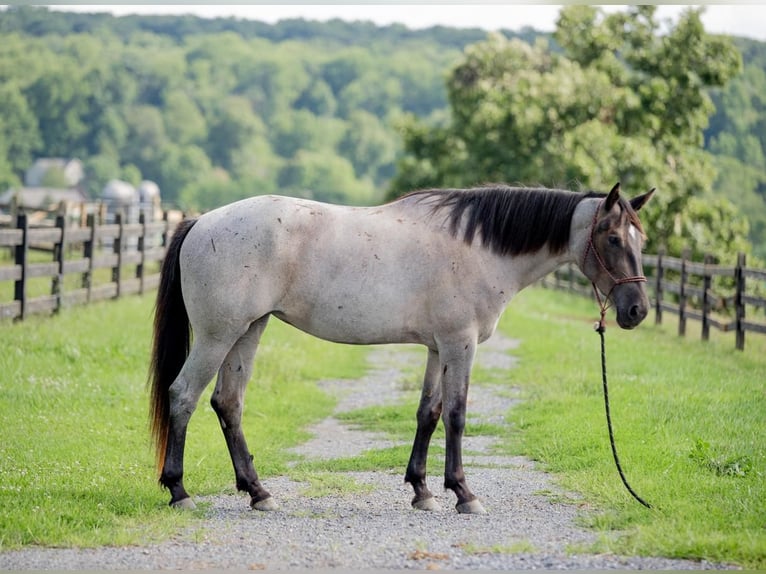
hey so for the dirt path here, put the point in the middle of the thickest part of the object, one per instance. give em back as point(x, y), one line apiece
point(531, 524)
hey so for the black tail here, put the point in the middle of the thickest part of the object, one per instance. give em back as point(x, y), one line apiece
point(172, 340)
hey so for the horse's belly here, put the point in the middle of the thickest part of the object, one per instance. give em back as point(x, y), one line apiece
point(355, 320)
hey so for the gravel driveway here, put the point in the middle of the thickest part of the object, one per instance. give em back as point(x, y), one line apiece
point(530, 522)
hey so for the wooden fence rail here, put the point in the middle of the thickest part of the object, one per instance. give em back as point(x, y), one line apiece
point(126, 251)
point(80, 251)
point(687, 288)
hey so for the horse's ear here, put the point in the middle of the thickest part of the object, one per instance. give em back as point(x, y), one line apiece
point(638, 202)
point(612, 198)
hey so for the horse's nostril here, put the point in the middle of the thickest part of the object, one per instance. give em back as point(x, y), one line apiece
point(635, 311)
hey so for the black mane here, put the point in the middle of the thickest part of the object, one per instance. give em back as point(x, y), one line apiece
point(510, 220)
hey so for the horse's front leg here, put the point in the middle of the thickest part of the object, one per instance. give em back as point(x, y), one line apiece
point(456, 361)
point(428, 416)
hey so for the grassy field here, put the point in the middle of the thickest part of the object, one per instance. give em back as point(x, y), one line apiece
point(690, 425)
point(76, 467)
point(76, 464)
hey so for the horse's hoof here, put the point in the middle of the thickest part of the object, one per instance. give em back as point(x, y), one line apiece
point(428, 504)
point(184, 504)
point(471, 507)
point(265, 505)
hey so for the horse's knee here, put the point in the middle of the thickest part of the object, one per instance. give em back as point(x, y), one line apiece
point(428, 415)
point(455, 418)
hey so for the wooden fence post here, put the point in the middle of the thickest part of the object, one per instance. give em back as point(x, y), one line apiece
point(165, 230)
point(117, 248)
point(88, 251)
point(658, 288)
point(739, 300)
point(682, 295)
point(21, 258)
point(142, 251)
point(57, 283)
point(706, 283)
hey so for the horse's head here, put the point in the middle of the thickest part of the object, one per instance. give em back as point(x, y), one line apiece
point(612, 257)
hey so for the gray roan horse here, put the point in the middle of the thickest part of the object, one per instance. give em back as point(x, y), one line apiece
point(434, 267)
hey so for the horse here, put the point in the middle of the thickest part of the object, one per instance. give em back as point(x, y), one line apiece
point(434, 267)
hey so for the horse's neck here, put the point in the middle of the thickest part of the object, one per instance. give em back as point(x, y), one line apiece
point(530, 268)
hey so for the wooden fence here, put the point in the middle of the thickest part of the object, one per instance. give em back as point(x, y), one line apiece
point(129, 254)
point(125, 251)
point(687, 289)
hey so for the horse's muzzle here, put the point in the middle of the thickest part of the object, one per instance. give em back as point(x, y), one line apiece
point(632, 305)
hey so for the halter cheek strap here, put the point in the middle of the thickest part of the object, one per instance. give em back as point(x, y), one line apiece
point(604, 303)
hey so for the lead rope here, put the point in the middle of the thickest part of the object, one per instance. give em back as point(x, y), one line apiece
point(600, 328)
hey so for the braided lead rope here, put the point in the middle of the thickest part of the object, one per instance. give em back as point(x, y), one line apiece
point(600, 328)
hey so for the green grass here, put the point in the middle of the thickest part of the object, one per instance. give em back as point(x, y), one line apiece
point(689, 421)
point(76, 464)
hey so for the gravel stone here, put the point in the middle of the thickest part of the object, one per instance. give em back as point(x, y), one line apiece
point(531, 523)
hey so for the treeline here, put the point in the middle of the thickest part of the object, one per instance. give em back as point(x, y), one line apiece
point(218, 109)
point(736, 137)
point(215, 110)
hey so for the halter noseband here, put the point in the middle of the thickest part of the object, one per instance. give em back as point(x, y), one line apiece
point(604, 303)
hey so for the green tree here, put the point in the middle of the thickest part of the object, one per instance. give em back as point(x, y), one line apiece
point(232, 126)
point(18, 129)
point(318, 99)
point(146, 138)
point(7, 176)
point(737, 136)
point(369, 146)
point(183, 120)
point(623, 102)
point(344, 69)
point(60, 105)
point(325, 177)
point(99, 169)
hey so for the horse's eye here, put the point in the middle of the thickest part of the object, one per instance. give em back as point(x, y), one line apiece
point(614, 240)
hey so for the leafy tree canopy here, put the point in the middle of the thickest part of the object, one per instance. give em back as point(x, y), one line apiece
point(622, 102)
point(218, 109)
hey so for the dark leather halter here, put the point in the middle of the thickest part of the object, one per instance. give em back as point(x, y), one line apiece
point(590, 247)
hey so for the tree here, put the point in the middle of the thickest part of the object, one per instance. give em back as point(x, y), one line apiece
point(369, 146)
point(60, 106)
point(232, 126)
point(318, 99)
point(18, 130)
point(623, 102)
point(323, 176)
point(737, 135)
point(184, 122)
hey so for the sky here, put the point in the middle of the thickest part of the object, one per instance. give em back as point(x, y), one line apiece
point(747, 20)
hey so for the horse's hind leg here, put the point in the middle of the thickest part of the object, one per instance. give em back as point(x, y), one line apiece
point(198, 370)
point(227, 401)
point(428, 415)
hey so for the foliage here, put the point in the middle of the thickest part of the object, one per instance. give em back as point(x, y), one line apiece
point(219, 109)
point(216, 110)
point(623, 102)
point(737, 137)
